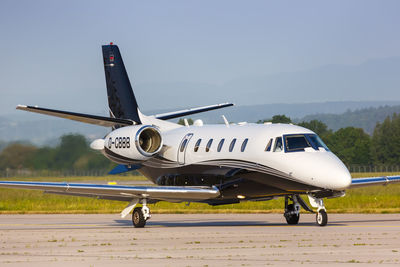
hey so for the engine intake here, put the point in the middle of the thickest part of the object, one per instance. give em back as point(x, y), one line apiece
point(148, 141)
point(131, 144)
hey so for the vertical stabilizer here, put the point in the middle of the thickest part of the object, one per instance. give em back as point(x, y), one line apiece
point(121, 100)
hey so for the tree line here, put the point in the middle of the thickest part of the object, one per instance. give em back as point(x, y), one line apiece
point(352, 145)
point(73, 153)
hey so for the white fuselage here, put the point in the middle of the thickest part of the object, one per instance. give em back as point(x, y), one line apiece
point(313, 166)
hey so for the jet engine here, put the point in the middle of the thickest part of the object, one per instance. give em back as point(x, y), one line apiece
point(148, 141)
point(130, 144)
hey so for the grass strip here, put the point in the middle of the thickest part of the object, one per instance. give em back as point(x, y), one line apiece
point(375, 199)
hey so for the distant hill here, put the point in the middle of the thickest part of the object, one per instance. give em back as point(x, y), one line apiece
point(44, 130)
point(254, 113)
point(365, 118)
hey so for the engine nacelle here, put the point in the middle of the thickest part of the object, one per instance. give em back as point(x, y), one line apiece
point(131, 144)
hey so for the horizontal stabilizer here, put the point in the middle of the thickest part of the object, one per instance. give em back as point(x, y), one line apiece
point(120, 192)
point(85, 118)
point(370, 181)
point(186, 112)
point(124, 168)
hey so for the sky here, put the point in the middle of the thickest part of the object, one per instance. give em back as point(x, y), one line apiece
point(51, 50)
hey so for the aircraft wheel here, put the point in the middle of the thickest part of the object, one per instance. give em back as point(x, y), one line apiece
point(290, 216)
point(138, 218)
point(322, 218)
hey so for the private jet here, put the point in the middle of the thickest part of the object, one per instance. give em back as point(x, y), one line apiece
point(214, 164)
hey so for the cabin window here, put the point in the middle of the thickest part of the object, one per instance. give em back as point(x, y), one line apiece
point(268, 147)
point(232, 145)
point(197, 145)
point(244, 144)
point(221, 143)
point(183, 145)
point(278, 144)
point(295, 143)
point(209, 145)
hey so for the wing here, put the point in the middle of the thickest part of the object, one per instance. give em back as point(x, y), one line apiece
point(185, 112)
point(370, 181)
point(119, 192)
point(91, 119)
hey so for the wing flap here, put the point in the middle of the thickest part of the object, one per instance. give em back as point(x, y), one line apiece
point(371, 181)
point(119, 192)
point(85, 118)
point(186, 112)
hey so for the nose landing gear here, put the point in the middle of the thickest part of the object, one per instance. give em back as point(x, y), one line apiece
point(322, 216)
point(292, 210)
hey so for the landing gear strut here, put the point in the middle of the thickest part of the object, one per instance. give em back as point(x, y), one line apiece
point(322, 216)
point(141, 215)
point(292, 210)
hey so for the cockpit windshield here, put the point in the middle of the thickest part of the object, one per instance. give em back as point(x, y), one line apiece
point(299, 142)
point(296, 143)
point(316, 140)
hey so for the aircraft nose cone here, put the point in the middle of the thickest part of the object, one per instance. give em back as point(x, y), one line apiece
point(341, 177)
point(336, 175)
point(323, 170)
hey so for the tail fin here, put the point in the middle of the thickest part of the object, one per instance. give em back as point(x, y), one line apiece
point(121, 100)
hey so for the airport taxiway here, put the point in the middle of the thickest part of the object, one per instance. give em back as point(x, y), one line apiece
point(198, 240)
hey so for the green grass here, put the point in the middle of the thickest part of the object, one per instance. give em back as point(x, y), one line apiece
point(376, 199)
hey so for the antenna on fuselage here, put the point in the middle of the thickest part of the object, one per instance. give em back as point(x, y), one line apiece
point(186, 122)
point(225, 120)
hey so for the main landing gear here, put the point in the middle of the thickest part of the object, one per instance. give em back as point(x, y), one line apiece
point(141, 215)
point(292, 209)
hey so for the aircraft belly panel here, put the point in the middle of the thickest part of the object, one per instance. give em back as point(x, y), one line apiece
point(232, 182)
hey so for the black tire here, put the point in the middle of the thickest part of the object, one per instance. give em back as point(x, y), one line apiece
point(322, 218)
point(291, 218)
point(138, 218)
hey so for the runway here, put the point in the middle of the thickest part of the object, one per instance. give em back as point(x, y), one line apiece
point(198, 240)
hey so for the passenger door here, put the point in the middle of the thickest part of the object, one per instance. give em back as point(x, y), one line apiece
point(182, 148)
